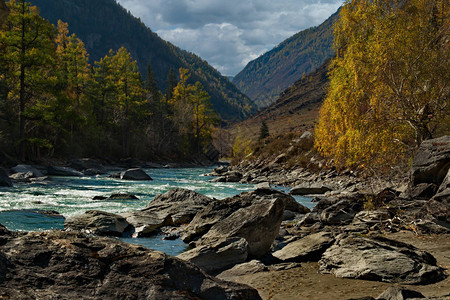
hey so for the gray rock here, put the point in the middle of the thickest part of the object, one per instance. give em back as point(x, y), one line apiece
point(71, 265)
point(135, 174)
point(181, 204)
point(258, 224)
point(309, 248)
point(309, 189)
point(122, 197)
point(27, 169)
point(98, 223)
point(145, 223)
point(251, 267)
point(87, 165)
point(379, 259)
point(4, 179)
point(219, 255)
point(63, 171)
point(431, 162)
point(341, 212)
point(263, 186)
point(398, 293)
point(371, 217)
point(174, 208)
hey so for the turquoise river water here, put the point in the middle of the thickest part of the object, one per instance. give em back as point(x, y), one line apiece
point(20, 205)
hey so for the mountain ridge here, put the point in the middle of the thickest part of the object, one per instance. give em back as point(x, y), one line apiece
point(264, 78)
point(104, 25)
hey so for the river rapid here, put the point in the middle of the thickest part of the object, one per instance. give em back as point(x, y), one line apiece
point(21, 206)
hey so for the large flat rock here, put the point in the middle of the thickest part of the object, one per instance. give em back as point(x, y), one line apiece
point(379, 259)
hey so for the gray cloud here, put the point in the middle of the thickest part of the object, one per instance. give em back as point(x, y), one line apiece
point(228, 34)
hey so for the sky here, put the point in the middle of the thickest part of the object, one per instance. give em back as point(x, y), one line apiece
point(229, 33)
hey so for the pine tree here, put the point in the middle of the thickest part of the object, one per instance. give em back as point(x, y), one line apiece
point(28, 56)
point(263, 131)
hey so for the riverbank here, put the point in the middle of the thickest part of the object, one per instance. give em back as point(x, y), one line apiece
point(305, 282)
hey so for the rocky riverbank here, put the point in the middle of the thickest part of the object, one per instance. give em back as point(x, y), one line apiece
point(386, 243)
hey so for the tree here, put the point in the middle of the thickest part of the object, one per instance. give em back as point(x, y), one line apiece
point(204, 117)
point(263, 131)
point(389, 86)
point(27, 41)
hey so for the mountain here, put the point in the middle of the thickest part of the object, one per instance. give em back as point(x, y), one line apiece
point(296, 109)
point(265, 77)
point(105, 25)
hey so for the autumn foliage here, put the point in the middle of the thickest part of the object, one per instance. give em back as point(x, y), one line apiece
point(389, 87)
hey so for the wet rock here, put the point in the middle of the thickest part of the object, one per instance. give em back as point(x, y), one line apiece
point(135, 174)
point(63, 171)
point(309, 248)
point(71, 265)
point(309, 189)
point(122, 197)
point(219, 255)
point(27, 169)
point(87, 166)
point(399, 293)
point(100, 198)
point(379, 259)
point(4, 179)
point(98, 223)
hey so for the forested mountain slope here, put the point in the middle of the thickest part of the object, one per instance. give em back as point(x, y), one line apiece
point(104, 25)
point(264, 78)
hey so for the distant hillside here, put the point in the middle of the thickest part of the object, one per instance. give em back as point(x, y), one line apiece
point(265, 77)
point(297, 108)
point(104, 25)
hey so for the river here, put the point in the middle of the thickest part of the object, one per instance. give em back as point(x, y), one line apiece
point(21, 205)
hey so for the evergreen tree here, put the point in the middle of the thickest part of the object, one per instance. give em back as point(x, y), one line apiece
point(27, 59)
point(263, 131)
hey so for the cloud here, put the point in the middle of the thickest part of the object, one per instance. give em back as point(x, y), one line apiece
point(228, 34)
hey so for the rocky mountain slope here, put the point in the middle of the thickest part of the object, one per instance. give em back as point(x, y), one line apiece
point(296, 109)
point(264, 78)
point(105, 25)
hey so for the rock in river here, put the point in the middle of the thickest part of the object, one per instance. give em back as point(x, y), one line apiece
point(134, 174)
point(98, 222)
point(72, 265)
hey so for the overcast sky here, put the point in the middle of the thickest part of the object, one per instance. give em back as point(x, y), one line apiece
point(229, 33)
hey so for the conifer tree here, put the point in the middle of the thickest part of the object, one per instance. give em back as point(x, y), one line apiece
point(27, 57)
point(263, 131)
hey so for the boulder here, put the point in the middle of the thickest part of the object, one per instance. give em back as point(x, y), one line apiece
point(181, 204)
point(342, 212)
point(371, 217)
point(219, 255)
point(72, 265)
point(258, 224)
point(399, 293)
point(27, 169)
point(251, 267)
point(122, 197)
point(309, 189)
point(4, 179)
point(98, 223)
point(174, 208)
point(87, 165)
point(309, 248)
point(134, 174)
point(63, 171)
point(219, 210)
point(145, 223)
point(379, 259)
point(431, 162)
